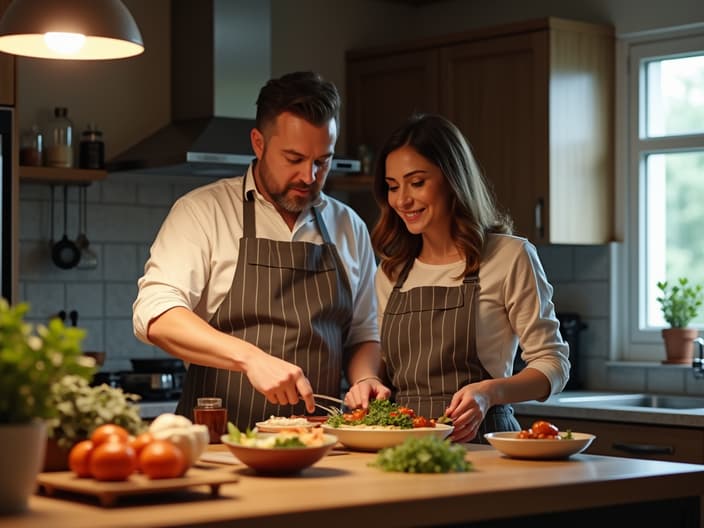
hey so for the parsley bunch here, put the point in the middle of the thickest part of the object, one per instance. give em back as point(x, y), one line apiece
point(427, 454)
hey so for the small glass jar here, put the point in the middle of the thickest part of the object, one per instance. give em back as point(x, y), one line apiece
point(32, 147)
point(211, 413)
point(91, 150)
point(59, 149)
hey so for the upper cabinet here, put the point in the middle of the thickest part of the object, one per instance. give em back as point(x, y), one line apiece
point(535, 101)
point(7, 70)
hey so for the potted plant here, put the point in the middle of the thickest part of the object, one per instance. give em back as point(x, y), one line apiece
point(680, 303)
point(31, 361)
point(80, 409)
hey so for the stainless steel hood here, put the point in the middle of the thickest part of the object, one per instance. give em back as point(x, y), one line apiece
point(198, 141)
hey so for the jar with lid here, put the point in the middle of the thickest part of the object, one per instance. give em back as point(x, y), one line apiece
point(59, 149)
point(32, 147)
point(211, 413)
point(91, 151)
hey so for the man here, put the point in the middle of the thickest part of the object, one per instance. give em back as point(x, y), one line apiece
point(262, 283)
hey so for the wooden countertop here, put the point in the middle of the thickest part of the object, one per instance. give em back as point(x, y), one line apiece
point(342, 490)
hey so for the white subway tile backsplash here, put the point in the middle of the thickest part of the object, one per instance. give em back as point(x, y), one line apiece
point(666, 380)
point(45, 299)
point(119, 297)
point(85, 297)
point(154, 195)
point(591, 263)
point(594, 339)
point(120, 342)
point(30, 220)
point(121, 262)
point(589, 299)
point(558, 263)
point(627, 378)
point(114, 191)
point(94, 339)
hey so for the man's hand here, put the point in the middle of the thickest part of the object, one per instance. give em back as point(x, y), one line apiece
point(280, 381)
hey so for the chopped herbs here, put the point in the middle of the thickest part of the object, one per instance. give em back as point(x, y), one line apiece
point(428, 454)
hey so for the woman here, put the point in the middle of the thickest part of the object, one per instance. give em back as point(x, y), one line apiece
point(457, 292)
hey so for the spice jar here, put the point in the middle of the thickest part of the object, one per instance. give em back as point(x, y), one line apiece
point(91, 151)
point(31, 147)
point(211, 413)
point(59, 149)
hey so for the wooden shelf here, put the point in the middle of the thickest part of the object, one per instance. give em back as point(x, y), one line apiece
point(353, 182)
point(60, 176)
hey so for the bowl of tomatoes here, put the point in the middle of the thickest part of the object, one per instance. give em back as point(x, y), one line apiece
point(542, 441)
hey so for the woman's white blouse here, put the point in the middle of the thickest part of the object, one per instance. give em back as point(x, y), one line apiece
point(515, 305)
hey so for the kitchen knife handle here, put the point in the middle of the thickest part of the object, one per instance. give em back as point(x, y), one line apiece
point(644, 449)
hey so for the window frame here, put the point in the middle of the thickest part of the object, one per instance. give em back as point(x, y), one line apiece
point(635, 344)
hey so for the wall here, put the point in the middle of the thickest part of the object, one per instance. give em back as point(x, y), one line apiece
point(130, 99)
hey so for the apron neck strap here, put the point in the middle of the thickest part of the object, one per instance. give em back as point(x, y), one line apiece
point(248, 226)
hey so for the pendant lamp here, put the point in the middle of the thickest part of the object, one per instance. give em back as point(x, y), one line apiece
point(70, 29)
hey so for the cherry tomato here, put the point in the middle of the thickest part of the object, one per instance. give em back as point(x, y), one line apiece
point(543, 429)
point(407, 411)
point(422, 421)
point(139, 442)
point(79, 458)
point(111, 432)
point(113, 460)
point(162, 459)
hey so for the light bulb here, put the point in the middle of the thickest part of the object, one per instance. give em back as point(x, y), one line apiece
point(64, 43)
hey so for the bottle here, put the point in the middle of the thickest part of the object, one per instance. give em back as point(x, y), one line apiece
point(91, 151)
point(211, 413)
point(31, 147)
point(59, 150)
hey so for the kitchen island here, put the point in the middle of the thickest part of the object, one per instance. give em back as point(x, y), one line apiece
point(342, 490)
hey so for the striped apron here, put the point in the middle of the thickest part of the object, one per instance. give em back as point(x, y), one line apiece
point(429, 346)
point(292, 300)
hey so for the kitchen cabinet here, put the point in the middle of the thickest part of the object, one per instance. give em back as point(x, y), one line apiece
point(7, 70)
point(535, 101)
point(673, 444)
point(60, 176)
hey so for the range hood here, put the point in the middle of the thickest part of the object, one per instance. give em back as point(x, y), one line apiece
point(197, 141)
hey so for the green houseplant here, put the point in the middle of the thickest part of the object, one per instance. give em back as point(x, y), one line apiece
point(31, 361)
point(680, 304)
point(80, 409)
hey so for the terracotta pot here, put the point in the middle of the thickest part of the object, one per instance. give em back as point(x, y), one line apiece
point(679, 344)
point(56, 457)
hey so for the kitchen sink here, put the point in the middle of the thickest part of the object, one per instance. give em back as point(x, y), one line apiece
point(651, 401)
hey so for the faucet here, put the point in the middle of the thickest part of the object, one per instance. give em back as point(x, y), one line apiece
point(698, 362)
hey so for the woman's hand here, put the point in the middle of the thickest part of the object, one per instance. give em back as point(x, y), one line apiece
point(365, 389)
point(467, 410)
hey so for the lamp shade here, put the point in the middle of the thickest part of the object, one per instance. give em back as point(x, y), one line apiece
point(70, 29)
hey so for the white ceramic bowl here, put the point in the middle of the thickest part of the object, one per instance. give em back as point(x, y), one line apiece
point(509, 444)
point(375, 438)
point(279, 460)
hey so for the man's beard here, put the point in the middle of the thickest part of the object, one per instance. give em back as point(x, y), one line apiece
point(288, 202)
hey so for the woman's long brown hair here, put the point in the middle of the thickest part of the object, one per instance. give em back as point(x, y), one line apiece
point(472, 205)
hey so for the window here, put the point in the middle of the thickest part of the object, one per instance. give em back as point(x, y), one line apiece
point(665, 178)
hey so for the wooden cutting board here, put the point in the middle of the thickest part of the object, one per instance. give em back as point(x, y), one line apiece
point(109, 492)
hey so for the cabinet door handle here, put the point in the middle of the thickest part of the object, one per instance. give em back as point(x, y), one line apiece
point(644, 449)
point(539, 228)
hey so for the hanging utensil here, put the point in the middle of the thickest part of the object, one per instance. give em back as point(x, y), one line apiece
point(64, 253)
point(89, 260)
